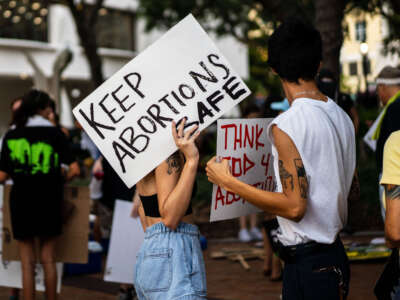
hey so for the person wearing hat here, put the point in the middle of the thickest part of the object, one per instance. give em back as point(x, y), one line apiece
point(388, 89)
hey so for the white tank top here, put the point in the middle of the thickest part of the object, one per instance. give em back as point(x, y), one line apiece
point(324, 136)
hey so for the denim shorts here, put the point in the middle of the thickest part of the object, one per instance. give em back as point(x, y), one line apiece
point(170, 264)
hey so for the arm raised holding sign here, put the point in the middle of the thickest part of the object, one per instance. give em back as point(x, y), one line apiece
point(170, 234)
point(170, 185)
point(175, 177)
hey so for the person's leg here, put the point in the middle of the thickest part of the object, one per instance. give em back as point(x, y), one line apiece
point(47, 259)
point(253, 220)
point(255, 233)
point(268, 254)
point(242, 222)
point(244, 235)
point(290, 286)
point(27, 253)
point(139, 293)
point(272, 262)
point(276, 271)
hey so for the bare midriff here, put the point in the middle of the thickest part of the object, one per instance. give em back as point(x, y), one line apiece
point(151, 221)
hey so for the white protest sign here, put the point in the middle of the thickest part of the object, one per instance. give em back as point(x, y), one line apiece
point(126, 239)
point(368, 136)
point(10, 271)
point(129, 116)
point(245, 143)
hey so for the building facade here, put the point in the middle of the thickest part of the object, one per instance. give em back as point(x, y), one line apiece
point(362, 55)
point(33, 33)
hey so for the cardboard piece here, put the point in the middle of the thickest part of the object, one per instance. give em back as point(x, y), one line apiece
point(126, 239)
point(72, 245)
point(10, 271)
point(245, 143)
point(129, 116)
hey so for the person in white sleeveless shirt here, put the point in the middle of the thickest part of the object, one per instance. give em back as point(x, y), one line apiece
point(314, 155)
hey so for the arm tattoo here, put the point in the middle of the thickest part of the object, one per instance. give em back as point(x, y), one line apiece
point(174, 163)
point(302, 176)
point(286, 177)
point(392, 191)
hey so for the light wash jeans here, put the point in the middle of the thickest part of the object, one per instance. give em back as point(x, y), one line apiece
point(170, 264)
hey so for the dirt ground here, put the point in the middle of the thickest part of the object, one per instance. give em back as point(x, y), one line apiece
point(227, 280)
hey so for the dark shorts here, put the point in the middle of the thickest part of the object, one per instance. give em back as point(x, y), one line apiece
point(35, 216)
point(316, 271)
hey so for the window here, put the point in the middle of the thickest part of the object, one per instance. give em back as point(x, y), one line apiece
point(353, 69)
point(361, 31)
point(23, 19)
point(115, 29)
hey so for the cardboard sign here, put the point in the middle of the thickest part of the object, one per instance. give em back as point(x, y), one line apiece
point(10, 271)
point(126, 239)
point(72, 245)
point(368, 136)
point(245, 143)
point(181, 75)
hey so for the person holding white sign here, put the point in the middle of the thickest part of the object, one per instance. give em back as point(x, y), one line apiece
point(313, 144)
point(170, 263)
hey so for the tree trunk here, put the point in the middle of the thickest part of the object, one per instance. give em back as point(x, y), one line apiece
point(85, 18)
point(328, 20)
point(89, 44)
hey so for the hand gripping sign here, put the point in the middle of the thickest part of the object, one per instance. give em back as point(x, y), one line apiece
point(129, 116)
point(245, 144)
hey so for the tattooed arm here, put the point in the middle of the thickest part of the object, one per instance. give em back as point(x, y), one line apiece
point(175, 177)
point(291, 203)
point(392, 222)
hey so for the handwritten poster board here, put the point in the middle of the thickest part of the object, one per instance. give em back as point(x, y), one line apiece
point(245, 143)
point(126, 239)
point(183, 74)
point(10, 271)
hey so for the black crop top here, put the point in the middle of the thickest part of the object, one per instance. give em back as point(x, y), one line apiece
point(150, 204)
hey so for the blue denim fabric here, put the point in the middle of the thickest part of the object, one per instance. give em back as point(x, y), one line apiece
point(170, 264)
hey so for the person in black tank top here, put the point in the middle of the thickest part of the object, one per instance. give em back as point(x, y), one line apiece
point(150, 204)
point(170, 263)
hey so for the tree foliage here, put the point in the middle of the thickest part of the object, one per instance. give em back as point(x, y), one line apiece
point(85, 16)
point(390, 9)
point(249, 21)
point(252, 21)
point(233, 17)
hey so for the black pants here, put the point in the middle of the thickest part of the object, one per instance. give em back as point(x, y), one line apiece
point(316, 271)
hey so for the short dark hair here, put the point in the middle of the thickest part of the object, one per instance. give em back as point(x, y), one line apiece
point(295, 51)
point(32, 102)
